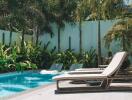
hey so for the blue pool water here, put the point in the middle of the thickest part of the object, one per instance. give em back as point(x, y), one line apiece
point(16, 82)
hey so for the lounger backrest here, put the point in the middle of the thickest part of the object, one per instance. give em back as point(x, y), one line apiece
point(75, 66)
point(115, 63)
point(57, 67)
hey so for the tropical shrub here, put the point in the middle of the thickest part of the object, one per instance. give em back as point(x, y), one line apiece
point(67, 57)
point(46, 59)
point(89, 58)
point(25, 65)
point(10, 59)
point(42, 57)
point(4, 57)
point(32, 57)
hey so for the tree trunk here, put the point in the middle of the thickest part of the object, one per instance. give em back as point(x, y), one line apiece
point(80, 35)
point(69, 43)
point(32, 39)
point(10, 38)
point(99, 34)
point(37, 37)
point(37, 31)
point(99, 43)
point(59, 29)
point(123, 43)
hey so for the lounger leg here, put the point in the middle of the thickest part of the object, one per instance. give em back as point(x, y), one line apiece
point(109, 81)
point(104, 83)
point(57, 85)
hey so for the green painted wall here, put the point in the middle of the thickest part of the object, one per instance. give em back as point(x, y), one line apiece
point(90, 31)
point(89, 36)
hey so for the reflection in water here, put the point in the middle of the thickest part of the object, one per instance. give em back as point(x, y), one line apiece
point(14, 83)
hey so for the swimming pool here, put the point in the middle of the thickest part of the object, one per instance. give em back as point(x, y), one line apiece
point(12, 83)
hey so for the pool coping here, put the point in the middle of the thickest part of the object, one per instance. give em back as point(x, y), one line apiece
point(26, 91)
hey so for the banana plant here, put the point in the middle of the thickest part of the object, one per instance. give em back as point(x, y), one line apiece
point(4, 57)
point(21, 66)
point(4, 52)
point(89, 58)
point(67, 57)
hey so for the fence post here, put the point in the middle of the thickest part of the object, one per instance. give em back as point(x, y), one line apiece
point(69, 42)
point(10, 38)
point(3, 38)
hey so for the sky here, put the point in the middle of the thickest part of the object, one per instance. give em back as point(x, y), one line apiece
point(128, 1)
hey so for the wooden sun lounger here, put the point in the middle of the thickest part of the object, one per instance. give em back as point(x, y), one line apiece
point(106, 76)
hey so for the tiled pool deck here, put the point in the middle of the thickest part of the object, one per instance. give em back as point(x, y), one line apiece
point(47, 93)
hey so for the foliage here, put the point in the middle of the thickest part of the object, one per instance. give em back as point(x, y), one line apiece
point(14, 59)
point(67, 57)
point(9, 59)
point(35, 17)
point(89, 58)
point(125, 65)
point(120, 32)
point(106, 9)
point(42, 57)
point(25, 65)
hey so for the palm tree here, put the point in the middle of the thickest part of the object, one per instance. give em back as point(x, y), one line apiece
point(121, 31)
point(121, 28)
point(106, 9)
point(89, 10)
point(40, 20)
point(24, 17)
point(5, 20)
point(82, 11)
point(99, 32)
point(13, 18)
point(62, 13)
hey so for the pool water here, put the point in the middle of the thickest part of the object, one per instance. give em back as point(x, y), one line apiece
point(12, 83)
